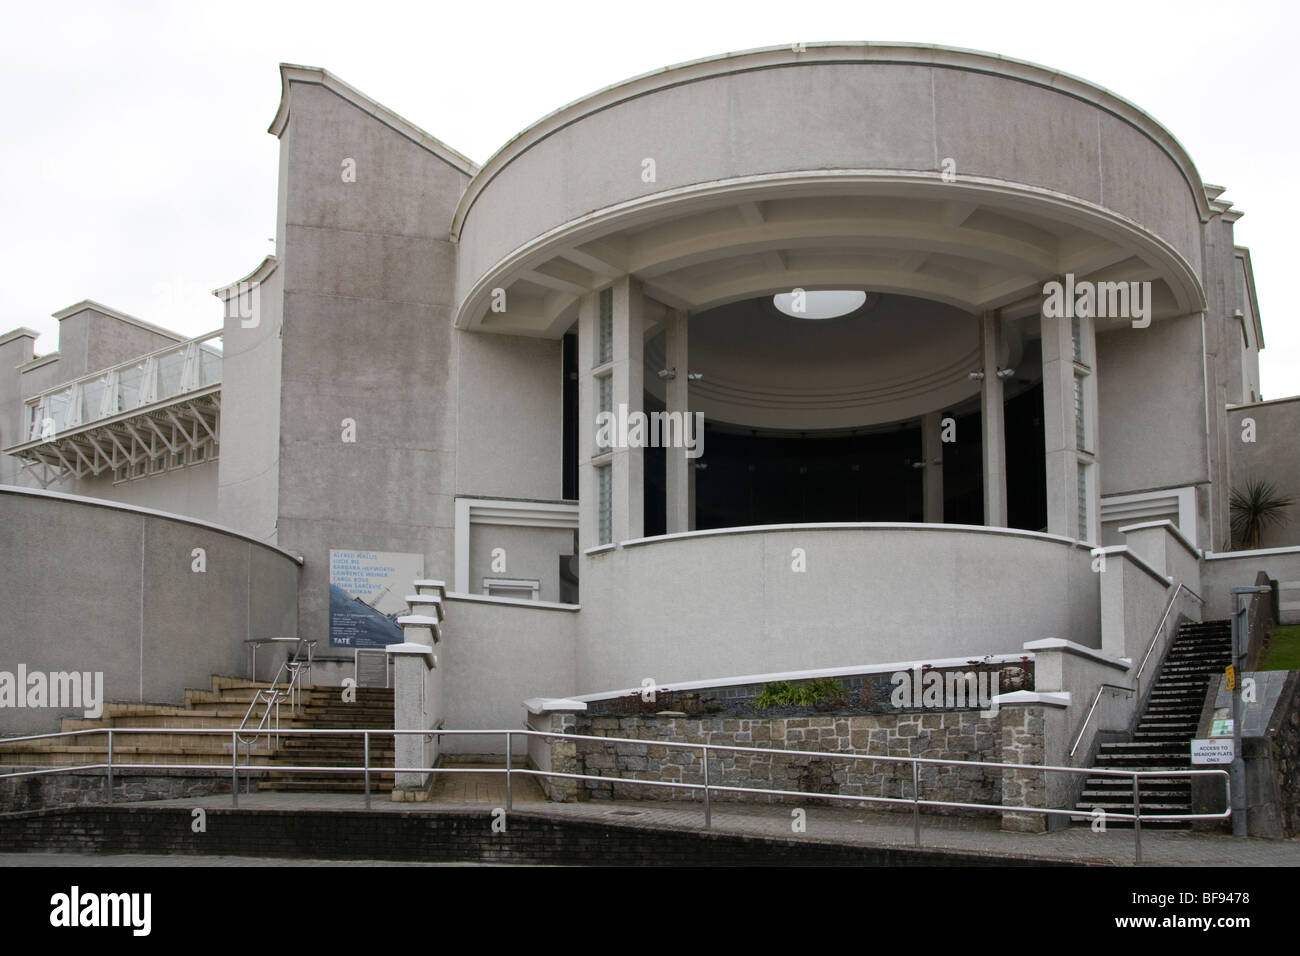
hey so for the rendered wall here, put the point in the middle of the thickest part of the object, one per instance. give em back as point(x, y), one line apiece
point(368, 273)
point(248, 495)
point(529, 554)
point(105, 588)
point(723, 604)
point(906, 109)
point(1273, 456)
point(1151, 407)
point(495, 656)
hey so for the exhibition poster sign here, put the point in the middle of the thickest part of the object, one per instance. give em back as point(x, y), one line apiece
point(367, 595)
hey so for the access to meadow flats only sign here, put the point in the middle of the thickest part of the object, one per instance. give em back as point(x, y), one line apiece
point(1214, 750)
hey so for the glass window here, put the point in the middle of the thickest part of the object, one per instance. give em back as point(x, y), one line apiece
point(606, 385)
point(1083, 501)
point(604, 505)
point(605, 349)
point(1080, 422)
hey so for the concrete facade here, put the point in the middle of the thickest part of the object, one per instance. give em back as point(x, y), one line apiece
point(419, 368)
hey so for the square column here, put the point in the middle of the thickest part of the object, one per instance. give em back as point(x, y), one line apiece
point(1069, 425)
point(629, 401)
point(932, 474)
point(611, 380)
point(992, 424)
point(677, 470)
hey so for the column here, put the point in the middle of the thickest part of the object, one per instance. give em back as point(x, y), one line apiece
point(991, 423)
point(677, 484)
point(1069, 423)
point(932, 474)
point(611, 376)
point(629, 397)
point(588, 406)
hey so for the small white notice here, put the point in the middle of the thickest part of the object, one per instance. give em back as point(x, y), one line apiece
point(1213, 750)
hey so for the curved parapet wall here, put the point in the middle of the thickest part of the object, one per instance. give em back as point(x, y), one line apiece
point(862, 118)
point(100, 588)
point(704, 604)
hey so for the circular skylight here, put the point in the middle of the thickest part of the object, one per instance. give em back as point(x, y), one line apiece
point(819, 304)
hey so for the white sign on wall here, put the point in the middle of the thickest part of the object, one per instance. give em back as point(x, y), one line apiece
point(1216, 750)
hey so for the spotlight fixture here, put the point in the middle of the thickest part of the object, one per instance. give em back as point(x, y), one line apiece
point(1006, 372)
point(694, 376)
point(976, 376)
point(700, 465)
point(668, 374)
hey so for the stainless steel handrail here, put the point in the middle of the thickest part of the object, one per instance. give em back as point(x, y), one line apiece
point(294, 666)
point(1137, 678)
point(1100, 690)
point(915, 801)
point(1161, 626)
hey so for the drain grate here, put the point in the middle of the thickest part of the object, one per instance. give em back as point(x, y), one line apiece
point(626, 813)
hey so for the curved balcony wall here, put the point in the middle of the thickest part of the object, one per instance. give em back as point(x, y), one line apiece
point(861, 116)
point(715, 603)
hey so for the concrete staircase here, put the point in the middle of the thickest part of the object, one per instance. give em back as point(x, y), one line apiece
point(1200, 652)
point(222, 706)
point(373, 708)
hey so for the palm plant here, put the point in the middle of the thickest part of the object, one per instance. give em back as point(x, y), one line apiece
point(1254, 508)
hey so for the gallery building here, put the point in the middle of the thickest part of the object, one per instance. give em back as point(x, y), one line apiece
point(815, 359)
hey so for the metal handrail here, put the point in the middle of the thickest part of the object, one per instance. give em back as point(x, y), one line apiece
point(294, 666)
point(1161, 626)
point(707, 787)
point(1137, 678)
point(1095, 700)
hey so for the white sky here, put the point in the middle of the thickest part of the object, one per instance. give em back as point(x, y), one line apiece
point(136, 170)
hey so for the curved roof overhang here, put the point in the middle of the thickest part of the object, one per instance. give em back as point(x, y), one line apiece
point(739, 222)
point(976, 245)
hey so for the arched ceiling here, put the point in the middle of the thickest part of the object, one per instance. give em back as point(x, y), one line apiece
point(896, 358)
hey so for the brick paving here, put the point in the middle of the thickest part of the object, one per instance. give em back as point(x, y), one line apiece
point(470, 792)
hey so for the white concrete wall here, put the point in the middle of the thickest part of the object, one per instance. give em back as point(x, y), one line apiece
point(103, 588)
point(1273, 456)
point(493, 657)
point(248, 494)
point(1221, 573)
point(530, 553)
point(368, 273)
point(722, 603)
point(876, 108)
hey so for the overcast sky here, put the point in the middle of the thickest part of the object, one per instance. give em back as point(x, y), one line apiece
point(136, 169)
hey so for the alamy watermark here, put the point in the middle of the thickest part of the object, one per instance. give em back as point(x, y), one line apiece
point(59, 689)
point(946, 690)
point(1098, 300)
point(624, 429)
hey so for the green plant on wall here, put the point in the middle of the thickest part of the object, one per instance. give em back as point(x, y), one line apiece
point(784, 694)
point(1255, 507)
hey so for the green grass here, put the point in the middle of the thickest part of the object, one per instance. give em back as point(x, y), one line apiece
point(1283, 652)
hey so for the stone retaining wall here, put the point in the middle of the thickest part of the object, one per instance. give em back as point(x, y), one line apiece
point(1014, 735)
